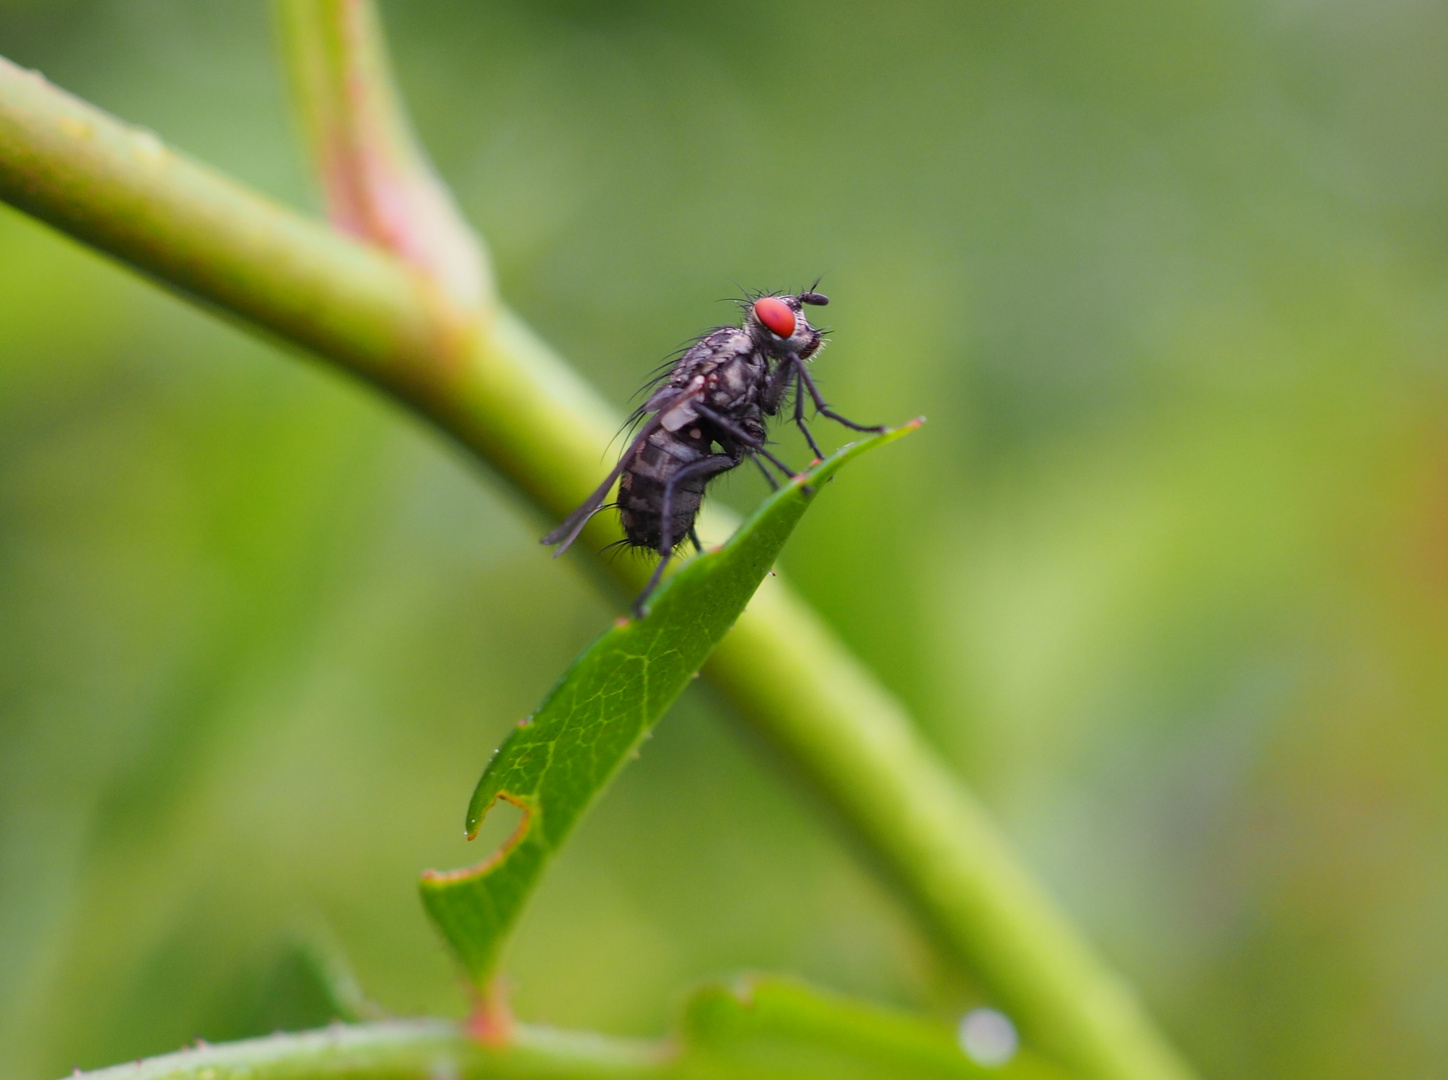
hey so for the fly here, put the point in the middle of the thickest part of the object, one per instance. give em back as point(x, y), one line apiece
point(708, 414)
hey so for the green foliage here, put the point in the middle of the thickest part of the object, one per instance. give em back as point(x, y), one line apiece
point(558, 761)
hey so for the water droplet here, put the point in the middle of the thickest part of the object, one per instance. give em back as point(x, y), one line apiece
point(443, 1069)
point(988, 1037)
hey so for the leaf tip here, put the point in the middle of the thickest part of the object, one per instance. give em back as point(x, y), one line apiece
point(474, 823)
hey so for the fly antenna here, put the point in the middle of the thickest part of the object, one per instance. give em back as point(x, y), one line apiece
point(813, 296)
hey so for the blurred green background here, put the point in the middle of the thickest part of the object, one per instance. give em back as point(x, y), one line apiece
point(1166, 576)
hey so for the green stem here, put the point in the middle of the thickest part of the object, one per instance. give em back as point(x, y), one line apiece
point(934, 838)
point(491, 384)
point(406, 1050)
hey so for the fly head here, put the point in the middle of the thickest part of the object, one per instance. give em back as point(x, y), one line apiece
point(778, 326)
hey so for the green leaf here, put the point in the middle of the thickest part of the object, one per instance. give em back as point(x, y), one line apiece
point(773, 1028)
point(561, 758)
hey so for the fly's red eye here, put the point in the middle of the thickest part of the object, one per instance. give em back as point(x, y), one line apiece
point(775, 314)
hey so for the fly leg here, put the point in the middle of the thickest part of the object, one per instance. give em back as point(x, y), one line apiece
point(768, 476)
point(709, 466)
point(638, 604)
point(733, 430)
point(756, 444)
point(819, 401)
point(799, 417)
point(694, 539)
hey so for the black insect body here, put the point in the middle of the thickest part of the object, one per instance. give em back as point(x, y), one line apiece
point(705, 418)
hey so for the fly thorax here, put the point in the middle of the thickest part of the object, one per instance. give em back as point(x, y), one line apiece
point(734, 385)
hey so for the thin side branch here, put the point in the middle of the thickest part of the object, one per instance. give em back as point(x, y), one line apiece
point(376, 177)
point(406, 1050)
point(493, 386)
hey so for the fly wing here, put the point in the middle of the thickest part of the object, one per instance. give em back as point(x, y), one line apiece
point(573, 524)
point(672, 408)
point(676, 374)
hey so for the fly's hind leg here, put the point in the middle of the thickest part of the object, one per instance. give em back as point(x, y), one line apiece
point(819, 401)
point(638, 604)
point(694, 539)
point(709, 466)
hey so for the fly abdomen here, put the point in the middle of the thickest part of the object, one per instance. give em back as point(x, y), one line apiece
point(667, 463)
point(641, 511)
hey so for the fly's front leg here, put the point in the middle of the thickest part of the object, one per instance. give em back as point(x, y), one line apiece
point(799, 416)
point(819, 401)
